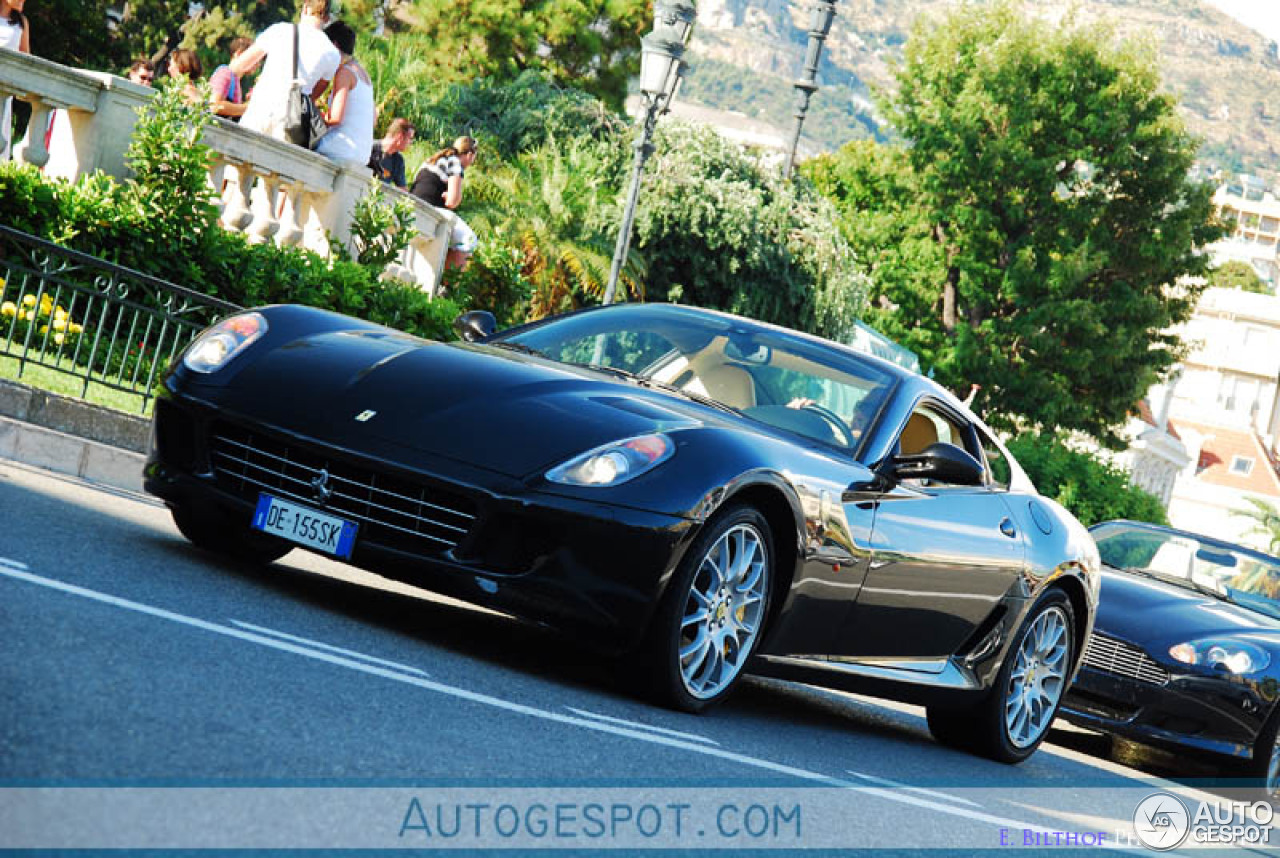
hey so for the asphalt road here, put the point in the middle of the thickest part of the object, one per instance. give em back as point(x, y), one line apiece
point(130, 659)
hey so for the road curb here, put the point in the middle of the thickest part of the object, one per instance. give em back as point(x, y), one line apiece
point(58, 433)
point(68, 454)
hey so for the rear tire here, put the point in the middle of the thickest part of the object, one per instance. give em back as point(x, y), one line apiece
point(1010, 722)
point(713, 612)
point(214, 530)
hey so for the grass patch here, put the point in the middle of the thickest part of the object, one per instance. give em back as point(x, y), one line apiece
point(65, 384)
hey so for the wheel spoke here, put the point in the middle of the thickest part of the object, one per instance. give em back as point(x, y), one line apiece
point(697, 616)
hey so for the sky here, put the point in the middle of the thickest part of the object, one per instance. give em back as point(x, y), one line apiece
point(1261, 15)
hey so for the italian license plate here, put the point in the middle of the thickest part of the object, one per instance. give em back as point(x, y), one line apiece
point(304, 525)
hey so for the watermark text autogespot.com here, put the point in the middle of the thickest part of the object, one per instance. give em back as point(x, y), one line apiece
point(427, 821)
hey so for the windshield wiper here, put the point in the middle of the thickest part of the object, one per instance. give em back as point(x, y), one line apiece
point(654, 384)
point(1179, 581)
point(518, 347)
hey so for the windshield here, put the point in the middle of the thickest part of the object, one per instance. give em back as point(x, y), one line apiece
point(1234, 573)
point(789, 382)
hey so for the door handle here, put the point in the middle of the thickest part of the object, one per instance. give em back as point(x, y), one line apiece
point(1007, 528)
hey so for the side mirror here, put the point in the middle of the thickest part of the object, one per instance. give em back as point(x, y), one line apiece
point(945, 463)
point(475, 325)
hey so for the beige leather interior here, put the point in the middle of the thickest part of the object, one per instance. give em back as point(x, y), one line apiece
point(920, 433)
point(725, 383)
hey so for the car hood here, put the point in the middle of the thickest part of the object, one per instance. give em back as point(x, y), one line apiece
point(508, 412)
point(1142, 610)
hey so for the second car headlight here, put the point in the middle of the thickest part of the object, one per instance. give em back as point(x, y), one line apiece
point(1235, 656)
point(218, 345)
point(614, 463)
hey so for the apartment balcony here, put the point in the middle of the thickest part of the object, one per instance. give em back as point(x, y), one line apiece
point(267, 190)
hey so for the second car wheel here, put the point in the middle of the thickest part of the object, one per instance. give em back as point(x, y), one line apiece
point(1011, 721)
point(713, 613)
point(213, 529)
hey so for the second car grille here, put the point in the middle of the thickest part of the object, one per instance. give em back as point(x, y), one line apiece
point(1112, 656)
point(391, 510)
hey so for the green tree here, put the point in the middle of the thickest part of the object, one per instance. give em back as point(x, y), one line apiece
point(1266, 522)
point(1091, 489)
point(75, 33)
point(718, 229)
point(1053, 175)
point(554, 205)
point(594, 45)
point(1238, 275)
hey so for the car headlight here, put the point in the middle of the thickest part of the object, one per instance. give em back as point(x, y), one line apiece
point(1235, 656)
point(614, 463)
point(215, 347)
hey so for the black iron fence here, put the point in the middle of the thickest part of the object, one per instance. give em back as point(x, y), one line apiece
point(93, 321)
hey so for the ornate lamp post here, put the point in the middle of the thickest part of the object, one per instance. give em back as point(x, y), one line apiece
point(660, 69)
point(819, 26)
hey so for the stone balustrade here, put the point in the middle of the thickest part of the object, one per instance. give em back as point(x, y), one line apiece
point(269, 190)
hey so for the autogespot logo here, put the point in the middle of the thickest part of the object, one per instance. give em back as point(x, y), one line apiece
point(1161, 822)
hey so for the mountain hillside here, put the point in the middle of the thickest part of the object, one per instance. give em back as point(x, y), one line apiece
point(746, 53)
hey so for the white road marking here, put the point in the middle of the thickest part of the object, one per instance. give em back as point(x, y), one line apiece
point(693, 737)
point(330, 647)
point(534, 712)
point(921, 790)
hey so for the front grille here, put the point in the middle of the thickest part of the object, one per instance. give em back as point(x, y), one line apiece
point(1112, 656)
point(408, 515)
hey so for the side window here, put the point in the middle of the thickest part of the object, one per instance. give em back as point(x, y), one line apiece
point(998, 471)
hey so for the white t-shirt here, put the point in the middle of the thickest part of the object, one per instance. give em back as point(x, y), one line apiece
point(317, 60)
point(10, 37)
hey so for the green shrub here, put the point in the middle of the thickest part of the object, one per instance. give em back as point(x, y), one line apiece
point(493, 281)
point(1091, 489)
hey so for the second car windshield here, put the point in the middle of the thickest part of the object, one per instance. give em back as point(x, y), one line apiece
point(1181, 559)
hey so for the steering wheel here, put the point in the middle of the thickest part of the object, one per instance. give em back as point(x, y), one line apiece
point(842, 431)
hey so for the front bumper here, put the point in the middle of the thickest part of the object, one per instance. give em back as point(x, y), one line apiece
point(1213, 716)
point(590, 568)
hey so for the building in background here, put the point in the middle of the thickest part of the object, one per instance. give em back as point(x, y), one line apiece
point(1223, 408)
point(1253, 213)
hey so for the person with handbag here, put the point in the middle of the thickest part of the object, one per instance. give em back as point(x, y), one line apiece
point(287, 53)
point(351, 109)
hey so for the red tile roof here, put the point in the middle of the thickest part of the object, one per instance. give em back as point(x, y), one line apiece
point(1221, 447)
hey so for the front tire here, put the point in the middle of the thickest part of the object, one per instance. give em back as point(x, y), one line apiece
point(712, 615)
point(214, 530)
point(1264, 769)
point(1011, 721)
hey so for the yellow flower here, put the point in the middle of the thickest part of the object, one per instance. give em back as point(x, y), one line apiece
point(59, 313)
point(58, 338)
point(44, 329)
point(28, 300)
point(59, 324)
point(74, 328)
point(8, 308)
point(27, 314)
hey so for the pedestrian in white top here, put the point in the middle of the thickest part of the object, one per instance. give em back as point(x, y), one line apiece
point(14, 35)
point(318, 61)
point(351, 107)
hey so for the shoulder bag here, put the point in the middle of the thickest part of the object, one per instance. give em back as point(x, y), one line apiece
point(304, 124)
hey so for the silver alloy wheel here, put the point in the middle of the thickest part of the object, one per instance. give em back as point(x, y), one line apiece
point(724, 611)
point(1038, 678)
